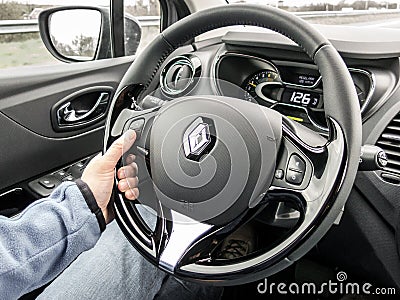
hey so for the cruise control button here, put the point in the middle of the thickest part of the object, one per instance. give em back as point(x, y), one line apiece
point(137, 125)
point(294, 177)
point(382, 159)
point(297, 163)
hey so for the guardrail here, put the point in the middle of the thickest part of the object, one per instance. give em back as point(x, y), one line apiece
point(28, 26)
point(314, 14)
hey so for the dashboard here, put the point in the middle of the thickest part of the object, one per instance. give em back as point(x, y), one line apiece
point(292, 88)
point(272, 71)
point(253, 68)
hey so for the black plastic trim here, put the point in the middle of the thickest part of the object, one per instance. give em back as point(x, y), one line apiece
point(117, 28)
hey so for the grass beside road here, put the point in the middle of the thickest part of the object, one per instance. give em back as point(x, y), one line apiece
point(24, 53)
point(33, 52)
point(342, 20)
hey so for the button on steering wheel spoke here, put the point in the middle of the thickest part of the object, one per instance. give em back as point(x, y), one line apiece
point(315, 168)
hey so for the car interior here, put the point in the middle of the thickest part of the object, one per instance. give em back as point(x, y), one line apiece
point(247, 117)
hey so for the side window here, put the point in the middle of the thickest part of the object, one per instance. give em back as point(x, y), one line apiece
point(20, 43)
point(147, 13)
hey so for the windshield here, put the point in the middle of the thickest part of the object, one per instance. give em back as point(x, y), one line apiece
point(344, 12)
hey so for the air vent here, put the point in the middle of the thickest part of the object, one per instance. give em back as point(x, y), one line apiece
point(179, 74)
point(364, 82)
point(390, 142)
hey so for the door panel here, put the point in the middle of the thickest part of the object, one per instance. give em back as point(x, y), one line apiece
point(28, 98)
point(25, 154)
point(29, 145)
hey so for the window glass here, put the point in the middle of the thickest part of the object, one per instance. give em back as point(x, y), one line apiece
point(340, 12)
point(147, 13)
point(20, 42)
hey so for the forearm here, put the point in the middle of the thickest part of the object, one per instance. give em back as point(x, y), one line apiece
point(44, 240)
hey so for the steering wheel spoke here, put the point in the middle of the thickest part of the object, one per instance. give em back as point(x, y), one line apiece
point(190, 244)
point(184, 233)
point(306, 171)
point(308, 162)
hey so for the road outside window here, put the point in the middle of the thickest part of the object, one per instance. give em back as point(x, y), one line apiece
point(20, 42)
point(147, 12)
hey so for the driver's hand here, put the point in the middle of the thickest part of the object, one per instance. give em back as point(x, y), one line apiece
point(99, 173)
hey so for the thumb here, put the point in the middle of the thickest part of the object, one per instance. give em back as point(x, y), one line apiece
point(120, 146)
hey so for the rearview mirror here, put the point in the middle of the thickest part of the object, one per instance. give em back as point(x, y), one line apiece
point(82, 33)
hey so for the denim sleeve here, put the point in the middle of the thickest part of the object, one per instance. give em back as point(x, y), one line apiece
point(44, 239)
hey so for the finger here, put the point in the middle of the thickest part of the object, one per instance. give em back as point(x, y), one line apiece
point(128, 183)
point(120, 146)
point(128, 171)
point(96, 158)
point(132, 194)
point(130, 158)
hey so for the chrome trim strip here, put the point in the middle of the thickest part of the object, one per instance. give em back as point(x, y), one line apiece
point(372, 80)
point(134, 223)
point(150, 251)
point(261, 95)
point(185, 232)
point(11, 191)
point(177, 60)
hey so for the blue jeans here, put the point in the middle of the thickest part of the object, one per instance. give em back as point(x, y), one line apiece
point(113, 269)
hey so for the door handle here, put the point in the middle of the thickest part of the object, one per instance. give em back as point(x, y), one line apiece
point(81, 109)
point(67, 114)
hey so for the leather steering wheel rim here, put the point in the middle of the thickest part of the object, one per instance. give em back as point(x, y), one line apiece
point(341, 109)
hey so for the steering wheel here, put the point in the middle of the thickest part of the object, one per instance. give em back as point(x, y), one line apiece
point(209, 164)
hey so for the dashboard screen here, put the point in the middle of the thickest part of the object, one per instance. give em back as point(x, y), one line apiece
point(301, 97)
point(299, 76)
point(304, 79)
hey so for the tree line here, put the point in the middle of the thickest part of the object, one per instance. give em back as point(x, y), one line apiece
point(356, 5)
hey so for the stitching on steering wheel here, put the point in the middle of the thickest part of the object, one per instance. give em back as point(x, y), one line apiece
point(187, 37)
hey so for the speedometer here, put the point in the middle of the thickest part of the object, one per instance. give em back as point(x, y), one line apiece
point(254, 85)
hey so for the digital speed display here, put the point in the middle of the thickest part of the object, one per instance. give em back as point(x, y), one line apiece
point(301, 97)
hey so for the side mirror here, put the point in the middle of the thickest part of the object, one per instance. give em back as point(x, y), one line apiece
point(82, 33)
point(133, 34)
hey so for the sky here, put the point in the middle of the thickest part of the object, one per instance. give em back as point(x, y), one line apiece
point(106, 2)
point(86, 23)
point(65, 2)
point(293, 2)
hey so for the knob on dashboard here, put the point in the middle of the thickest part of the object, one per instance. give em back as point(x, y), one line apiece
point(372, 158)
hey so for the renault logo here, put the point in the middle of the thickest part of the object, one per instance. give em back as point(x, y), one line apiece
point(197, 138)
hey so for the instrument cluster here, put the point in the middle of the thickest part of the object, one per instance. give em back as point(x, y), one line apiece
point(294, 89)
